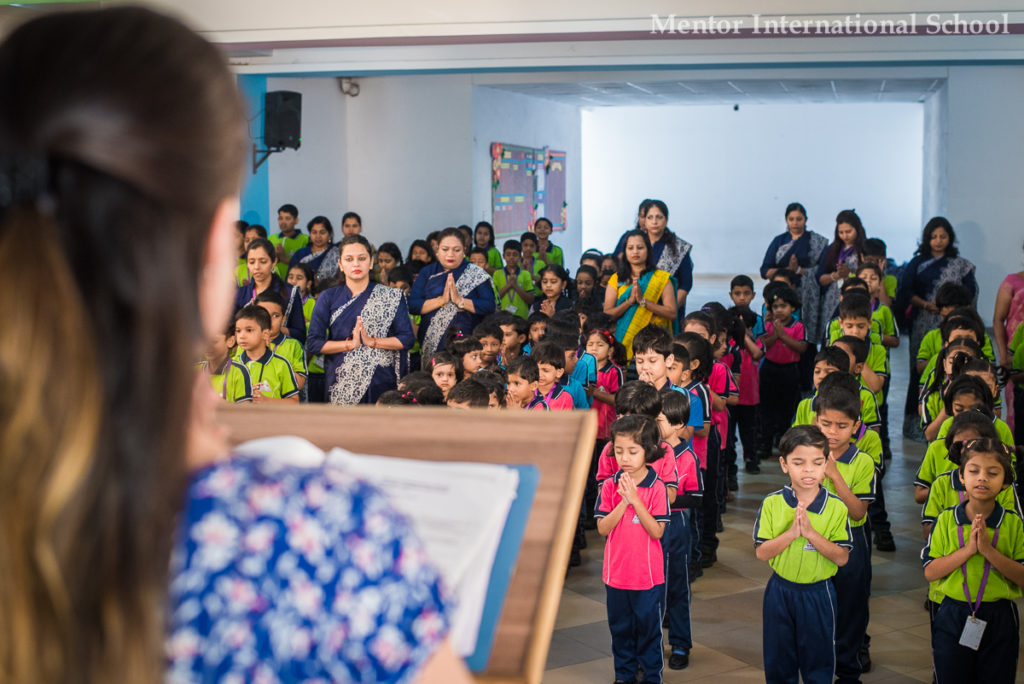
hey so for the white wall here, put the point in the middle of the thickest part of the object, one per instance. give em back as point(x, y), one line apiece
point(501, 116)
point(985, 147)
point(314, 178)
point(409, 155)
point(727, 176)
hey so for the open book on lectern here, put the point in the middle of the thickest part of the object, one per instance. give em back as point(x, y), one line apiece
point(470, 516)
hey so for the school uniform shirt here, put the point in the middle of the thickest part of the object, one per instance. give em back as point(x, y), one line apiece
point(778, 352)
point(723, 384)
point(511, 301)
point(690, 488)
point(931, 345)
point(750, 380)
point(936, 457)
point(890, 282)
point(1016, 347)
point(944, 540)
point(241, 272)
point(271, 375)
point(580, 400)
point(807, 409)
point(835, 330)
point(494, 259)
point(948, 489)
point(800, 562)
point(559, 399)
point(930, 403)
point(609, 379)
point(537, 403)
point(882, 316)
point(699, 394)
point(553, 254)
point(291, 245)
point(292, 351)
point(664, 467)
point(632, 558)
point(858, 471)
point(1002, 429)
point(870, 443)
point(230, 381)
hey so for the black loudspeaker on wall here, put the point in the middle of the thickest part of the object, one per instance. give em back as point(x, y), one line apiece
point(282, 119)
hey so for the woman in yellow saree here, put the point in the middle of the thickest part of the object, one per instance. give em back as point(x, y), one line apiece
point(638, 294)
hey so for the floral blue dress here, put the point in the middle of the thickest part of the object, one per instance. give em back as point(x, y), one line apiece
point(288, 574)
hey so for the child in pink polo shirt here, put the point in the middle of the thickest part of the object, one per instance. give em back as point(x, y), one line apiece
point(780, 373)
point(632, 511)
point(550, 360)
point(637, 398)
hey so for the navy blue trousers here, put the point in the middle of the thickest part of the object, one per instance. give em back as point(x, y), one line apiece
point(676, 543)
point(799, 632)
point(634, 619)
point(994, 663)
point(853, 587)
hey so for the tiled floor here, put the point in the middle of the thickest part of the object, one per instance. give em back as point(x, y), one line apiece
point(726, 608)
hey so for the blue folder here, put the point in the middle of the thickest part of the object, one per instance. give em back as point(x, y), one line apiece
point(504, 565)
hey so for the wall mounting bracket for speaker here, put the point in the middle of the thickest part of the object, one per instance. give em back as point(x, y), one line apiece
point(257, 160)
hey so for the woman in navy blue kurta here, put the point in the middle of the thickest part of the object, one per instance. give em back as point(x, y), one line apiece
point(799, 250)
point(261, 258)
point(362, 328)
point(450, 292)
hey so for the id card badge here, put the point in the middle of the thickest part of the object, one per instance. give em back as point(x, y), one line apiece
point(512, 309)
point(973, 631)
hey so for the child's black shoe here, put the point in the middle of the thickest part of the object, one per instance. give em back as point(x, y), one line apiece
point(678, 661)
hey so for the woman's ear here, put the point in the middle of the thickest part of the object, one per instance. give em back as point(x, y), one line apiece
point(220, 257)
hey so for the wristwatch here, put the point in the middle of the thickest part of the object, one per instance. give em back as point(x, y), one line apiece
point(461, 305)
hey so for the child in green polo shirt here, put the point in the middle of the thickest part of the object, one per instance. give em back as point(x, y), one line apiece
point(514, 285)
point(289, 240)
point(229, 379)
point(827, 361)
point(976, 631)
point(282, 345)
point(849, 474)
point(271, 375)
point(803, 532)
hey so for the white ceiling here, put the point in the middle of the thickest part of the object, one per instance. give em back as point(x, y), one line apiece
point(729, 92)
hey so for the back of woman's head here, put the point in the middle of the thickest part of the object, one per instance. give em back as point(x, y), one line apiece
point(127, 133)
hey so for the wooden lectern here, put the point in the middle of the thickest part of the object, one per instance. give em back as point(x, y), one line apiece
point(560, 444)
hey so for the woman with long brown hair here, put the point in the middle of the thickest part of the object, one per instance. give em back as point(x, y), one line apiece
point(121, 147)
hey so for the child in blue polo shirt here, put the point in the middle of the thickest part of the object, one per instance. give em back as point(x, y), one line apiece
point(229, 379)
point(849, 474)
point(976, 631)
point(803, 532)
point(632, 511)
point(271, 375)
point(287, 347)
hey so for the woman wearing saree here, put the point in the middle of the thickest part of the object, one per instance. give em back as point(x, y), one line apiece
point(450, 292)
point(937, 261)
point(799, 250)
point(639, 294)
point(840, 262)
point(362, 328)
point(670, 252)
point(321, 254)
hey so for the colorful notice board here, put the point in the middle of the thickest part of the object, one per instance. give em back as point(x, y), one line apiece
point(526, 184)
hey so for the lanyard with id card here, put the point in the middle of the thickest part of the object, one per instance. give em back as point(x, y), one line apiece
point(974, 629)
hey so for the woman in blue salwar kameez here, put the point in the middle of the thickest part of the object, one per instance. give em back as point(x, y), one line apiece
point(450, 292)
point(362, 328)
